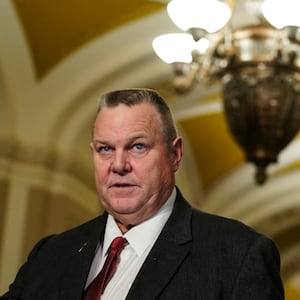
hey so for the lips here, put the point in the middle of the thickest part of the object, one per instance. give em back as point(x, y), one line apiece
point(122, 188)
point(121, 185)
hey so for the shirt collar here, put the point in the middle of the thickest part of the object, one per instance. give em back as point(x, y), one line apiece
point(143, 235)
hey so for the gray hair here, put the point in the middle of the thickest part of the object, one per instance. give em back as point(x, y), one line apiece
point(136, 96)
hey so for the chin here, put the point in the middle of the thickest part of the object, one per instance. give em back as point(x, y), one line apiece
point(121, 210)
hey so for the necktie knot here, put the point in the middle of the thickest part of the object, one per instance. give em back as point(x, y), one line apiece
point(118, 244)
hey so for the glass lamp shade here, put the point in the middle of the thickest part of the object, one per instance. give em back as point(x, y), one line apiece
point(210, 15)
point(281, 13)
point(174, 47)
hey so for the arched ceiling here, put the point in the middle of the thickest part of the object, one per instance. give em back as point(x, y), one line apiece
point(54, 32)
point(56, 57)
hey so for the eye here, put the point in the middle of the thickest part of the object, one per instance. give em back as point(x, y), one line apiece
point(104, 150)
point(138, 147)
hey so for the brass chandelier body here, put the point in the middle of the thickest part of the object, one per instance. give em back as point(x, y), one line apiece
point(261, 92)
point(259, 67)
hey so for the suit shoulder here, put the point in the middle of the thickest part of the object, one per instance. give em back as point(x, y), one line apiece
point(91, 229)
point(223, 226)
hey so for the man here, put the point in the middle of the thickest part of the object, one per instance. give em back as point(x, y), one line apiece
point(171, 251)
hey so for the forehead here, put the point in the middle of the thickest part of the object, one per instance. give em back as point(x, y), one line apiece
point(121, 117)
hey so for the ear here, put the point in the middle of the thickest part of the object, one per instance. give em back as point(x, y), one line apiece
point(177, 152)
point(92, 147)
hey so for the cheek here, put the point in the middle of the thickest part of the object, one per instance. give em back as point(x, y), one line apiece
point(157, 171)
point(101, 170)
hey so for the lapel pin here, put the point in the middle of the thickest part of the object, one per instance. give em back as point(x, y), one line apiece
point(82, 247)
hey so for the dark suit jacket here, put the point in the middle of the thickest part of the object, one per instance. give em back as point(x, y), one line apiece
point(197, 256)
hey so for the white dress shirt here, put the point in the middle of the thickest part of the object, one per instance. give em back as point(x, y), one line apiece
point(140, 241)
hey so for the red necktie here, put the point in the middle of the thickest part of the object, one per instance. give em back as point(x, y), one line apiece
point(96, 288)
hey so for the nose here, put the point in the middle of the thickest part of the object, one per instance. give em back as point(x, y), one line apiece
point(120, 163)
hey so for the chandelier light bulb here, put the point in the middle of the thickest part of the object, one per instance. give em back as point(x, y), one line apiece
point(281, 13)
point(202, 45)
point(174, 47)
point(211, 15)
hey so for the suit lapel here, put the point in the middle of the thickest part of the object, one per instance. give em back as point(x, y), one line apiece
point(81, 256)
point(168, 252)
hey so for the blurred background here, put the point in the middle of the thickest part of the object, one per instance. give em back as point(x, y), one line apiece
point(56, 59)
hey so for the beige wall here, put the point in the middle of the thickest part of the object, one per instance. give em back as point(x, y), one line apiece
point(3, 191)
point(37, 201)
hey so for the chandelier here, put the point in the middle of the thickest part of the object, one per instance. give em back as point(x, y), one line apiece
point(258, 65)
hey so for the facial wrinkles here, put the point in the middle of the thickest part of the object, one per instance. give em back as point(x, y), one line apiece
point(121, 126)
point(119, 129)
point(120, 135)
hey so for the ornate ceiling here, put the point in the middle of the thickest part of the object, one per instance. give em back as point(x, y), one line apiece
point(57, 57)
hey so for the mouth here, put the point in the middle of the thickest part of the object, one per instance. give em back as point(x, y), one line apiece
point(122, 185)
point(122, 189)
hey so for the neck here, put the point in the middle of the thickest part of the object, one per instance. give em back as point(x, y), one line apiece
point(123, 227)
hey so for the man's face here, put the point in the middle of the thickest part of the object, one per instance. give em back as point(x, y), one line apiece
point(134, 169)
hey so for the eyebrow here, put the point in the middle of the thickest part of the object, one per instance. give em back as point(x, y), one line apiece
point(127, 140)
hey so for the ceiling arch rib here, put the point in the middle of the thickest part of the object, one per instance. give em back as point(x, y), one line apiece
point(16, 76)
